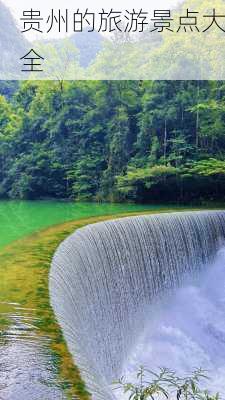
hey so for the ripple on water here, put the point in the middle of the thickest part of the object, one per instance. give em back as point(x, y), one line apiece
point(27, 367)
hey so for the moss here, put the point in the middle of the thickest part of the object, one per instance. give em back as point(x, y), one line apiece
point(24, 267)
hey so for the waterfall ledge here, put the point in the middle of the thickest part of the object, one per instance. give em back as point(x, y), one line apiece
point(104, 276)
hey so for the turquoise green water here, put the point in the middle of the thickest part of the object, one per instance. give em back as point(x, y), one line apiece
point(21, 218)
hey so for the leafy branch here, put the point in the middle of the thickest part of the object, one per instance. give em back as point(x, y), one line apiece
point(165, 383)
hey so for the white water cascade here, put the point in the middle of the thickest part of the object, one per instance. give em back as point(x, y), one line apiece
point(112, 289)
point(186, 330)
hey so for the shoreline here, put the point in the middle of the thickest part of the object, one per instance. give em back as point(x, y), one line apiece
point(25, 265)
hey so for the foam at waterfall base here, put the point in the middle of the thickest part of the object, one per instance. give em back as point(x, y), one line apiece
point(187, 330)
point(105, 280)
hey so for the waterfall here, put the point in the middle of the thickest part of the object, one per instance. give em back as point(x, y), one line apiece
point(105, 276)
point(185, 330)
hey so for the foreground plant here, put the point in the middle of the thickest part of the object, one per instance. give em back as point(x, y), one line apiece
point(165, 383)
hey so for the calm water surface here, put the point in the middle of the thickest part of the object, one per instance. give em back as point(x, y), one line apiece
point(21, 218)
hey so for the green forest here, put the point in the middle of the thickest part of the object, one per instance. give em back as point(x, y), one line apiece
point(141, 141)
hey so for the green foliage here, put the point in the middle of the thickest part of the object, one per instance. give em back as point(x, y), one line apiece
point(61, 60)
point(210, 167)
point(166, 56)
point(114, 140)
point(145, 177)
point(123, 55)
point(165, 383)
point(13, 46)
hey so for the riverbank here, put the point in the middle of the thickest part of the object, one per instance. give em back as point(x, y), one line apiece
point(21, 218)
point(24, 267)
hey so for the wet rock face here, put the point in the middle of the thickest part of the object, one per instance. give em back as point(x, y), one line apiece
point(104, 276)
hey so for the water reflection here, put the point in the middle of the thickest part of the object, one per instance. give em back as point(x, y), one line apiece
point(34, 361)
point(27, 368)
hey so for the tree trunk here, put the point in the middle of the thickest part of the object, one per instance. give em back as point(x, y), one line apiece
point(197, 118)
point(165, 141)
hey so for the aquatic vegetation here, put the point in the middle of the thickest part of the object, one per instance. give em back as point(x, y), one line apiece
point(26, 316)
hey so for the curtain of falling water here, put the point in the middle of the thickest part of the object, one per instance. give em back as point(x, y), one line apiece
point(185, 330)
point(104, 277)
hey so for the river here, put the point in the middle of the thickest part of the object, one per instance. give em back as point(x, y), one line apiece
point(34, 361)
point(21, 218)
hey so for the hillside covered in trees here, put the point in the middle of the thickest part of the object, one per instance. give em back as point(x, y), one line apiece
point(140, 141)
point(183, 53)
point(12, 44)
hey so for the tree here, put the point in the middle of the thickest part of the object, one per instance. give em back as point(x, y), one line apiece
point(114, 141)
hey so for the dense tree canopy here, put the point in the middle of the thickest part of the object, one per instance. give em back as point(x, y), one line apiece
point(198, 54)
point(146, 141)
